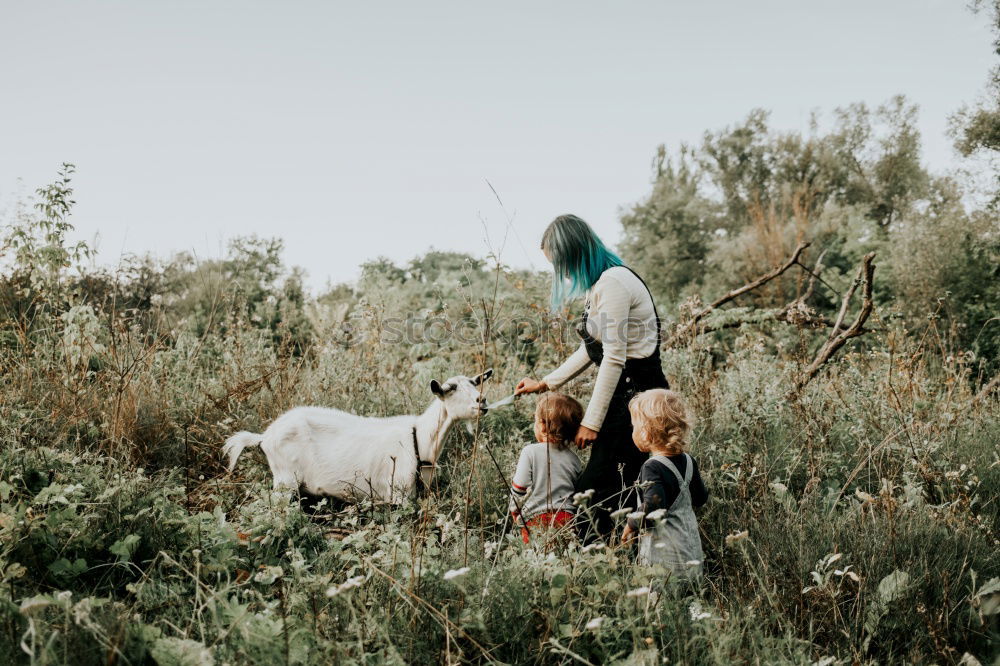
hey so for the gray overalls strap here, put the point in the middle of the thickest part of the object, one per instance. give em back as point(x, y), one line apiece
point(674, 540)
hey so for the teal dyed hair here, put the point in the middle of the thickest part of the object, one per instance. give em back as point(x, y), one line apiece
point(578, 257)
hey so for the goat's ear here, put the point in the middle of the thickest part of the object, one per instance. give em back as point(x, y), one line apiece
point(436, 388)
point(483, 377)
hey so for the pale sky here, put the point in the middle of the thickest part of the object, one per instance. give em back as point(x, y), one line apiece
point(358, 129)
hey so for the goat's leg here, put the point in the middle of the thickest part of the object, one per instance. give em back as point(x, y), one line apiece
point(285, 480)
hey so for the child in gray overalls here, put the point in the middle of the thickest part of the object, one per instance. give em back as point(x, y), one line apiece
point(669, 486)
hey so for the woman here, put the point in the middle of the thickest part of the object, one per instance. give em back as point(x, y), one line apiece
point(621, 335)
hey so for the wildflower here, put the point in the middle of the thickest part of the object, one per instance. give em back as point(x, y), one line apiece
point(34, 603)
point(456, 573)
point(620, 513)
point(597, 545)
point(637, 515)
point(697, 612)
point(595, 623)
point(268, 575)
point(638, 592)
point(657, 515)
point(580, 499)
point(736, 537)
point(348, 584)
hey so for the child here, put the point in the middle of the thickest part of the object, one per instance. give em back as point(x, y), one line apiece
point(549, 468)
point(670, 481)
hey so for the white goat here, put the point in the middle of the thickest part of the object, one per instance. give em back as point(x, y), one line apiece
point(333, 453)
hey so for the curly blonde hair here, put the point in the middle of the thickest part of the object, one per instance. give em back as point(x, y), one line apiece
point(661, 417)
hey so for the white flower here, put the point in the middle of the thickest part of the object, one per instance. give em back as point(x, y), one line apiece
point(597, 545)
point(697, 612)
point(456, 573)
point(581, 498)
point(268, 575)
point(348, 584)
point(620, 513)
point(595, 624)
point(32, 604)
point(657, 515)
point(637, 515)
point(638, 592)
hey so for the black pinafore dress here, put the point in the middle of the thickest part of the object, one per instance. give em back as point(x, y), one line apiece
point(614, 460)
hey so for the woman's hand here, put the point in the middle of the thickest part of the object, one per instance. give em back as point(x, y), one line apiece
point(585, 437)
point(529, 385)
point(627, 534)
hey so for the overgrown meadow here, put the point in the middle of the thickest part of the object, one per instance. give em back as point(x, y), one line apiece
point(853, 516)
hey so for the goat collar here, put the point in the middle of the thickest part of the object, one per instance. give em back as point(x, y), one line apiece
point(425, 469)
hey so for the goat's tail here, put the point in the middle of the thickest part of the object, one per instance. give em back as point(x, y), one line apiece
point(234, 445)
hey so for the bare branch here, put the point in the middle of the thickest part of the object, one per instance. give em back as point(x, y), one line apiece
point(837, 337)
point(813, 276)
point(685, 328)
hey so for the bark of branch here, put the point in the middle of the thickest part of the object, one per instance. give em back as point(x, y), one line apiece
point(839, 337)
point(685, 328)
point(813, 276)
point(789, 314)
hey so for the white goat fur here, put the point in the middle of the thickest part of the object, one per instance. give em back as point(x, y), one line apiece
point(333, 453)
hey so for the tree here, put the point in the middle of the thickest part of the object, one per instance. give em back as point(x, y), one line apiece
point(978, 128)
point(667, 236)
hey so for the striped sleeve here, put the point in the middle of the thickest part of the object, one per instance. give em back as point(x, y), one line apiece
point(571, 367)
point(610, 308)
point(521, 482)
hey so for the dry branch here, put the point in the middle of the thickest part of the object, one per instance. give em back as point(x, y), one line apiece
point(813, 276)
point(839, 337)
point(685, 328)
point(797, 313)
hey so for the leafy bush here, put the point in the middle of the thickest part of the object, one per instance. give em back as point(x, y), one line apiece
point(852, 521)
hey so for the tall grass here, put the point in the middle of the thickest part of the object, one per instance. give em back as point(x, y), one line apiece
point(854, 522)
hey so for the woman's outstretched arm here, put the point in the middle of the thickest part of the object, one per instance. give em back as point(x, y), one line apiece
point(571, 367)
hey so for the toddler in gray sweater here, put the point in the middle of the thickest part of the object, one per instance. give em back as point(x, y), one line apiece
point(545, 479)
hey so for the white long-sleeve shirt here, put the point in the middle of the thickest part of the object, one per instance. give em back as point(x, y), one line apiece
point(620, 315)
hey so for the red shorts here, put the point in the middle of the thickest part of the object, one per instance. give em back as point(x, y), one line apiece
point(548, 519)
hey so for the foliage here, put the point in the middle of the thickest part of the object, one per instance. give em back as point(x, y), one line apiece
point(854, 521)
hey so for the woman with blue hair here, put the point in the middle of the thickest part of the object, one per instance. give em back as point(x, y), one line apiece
point(620, 333)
